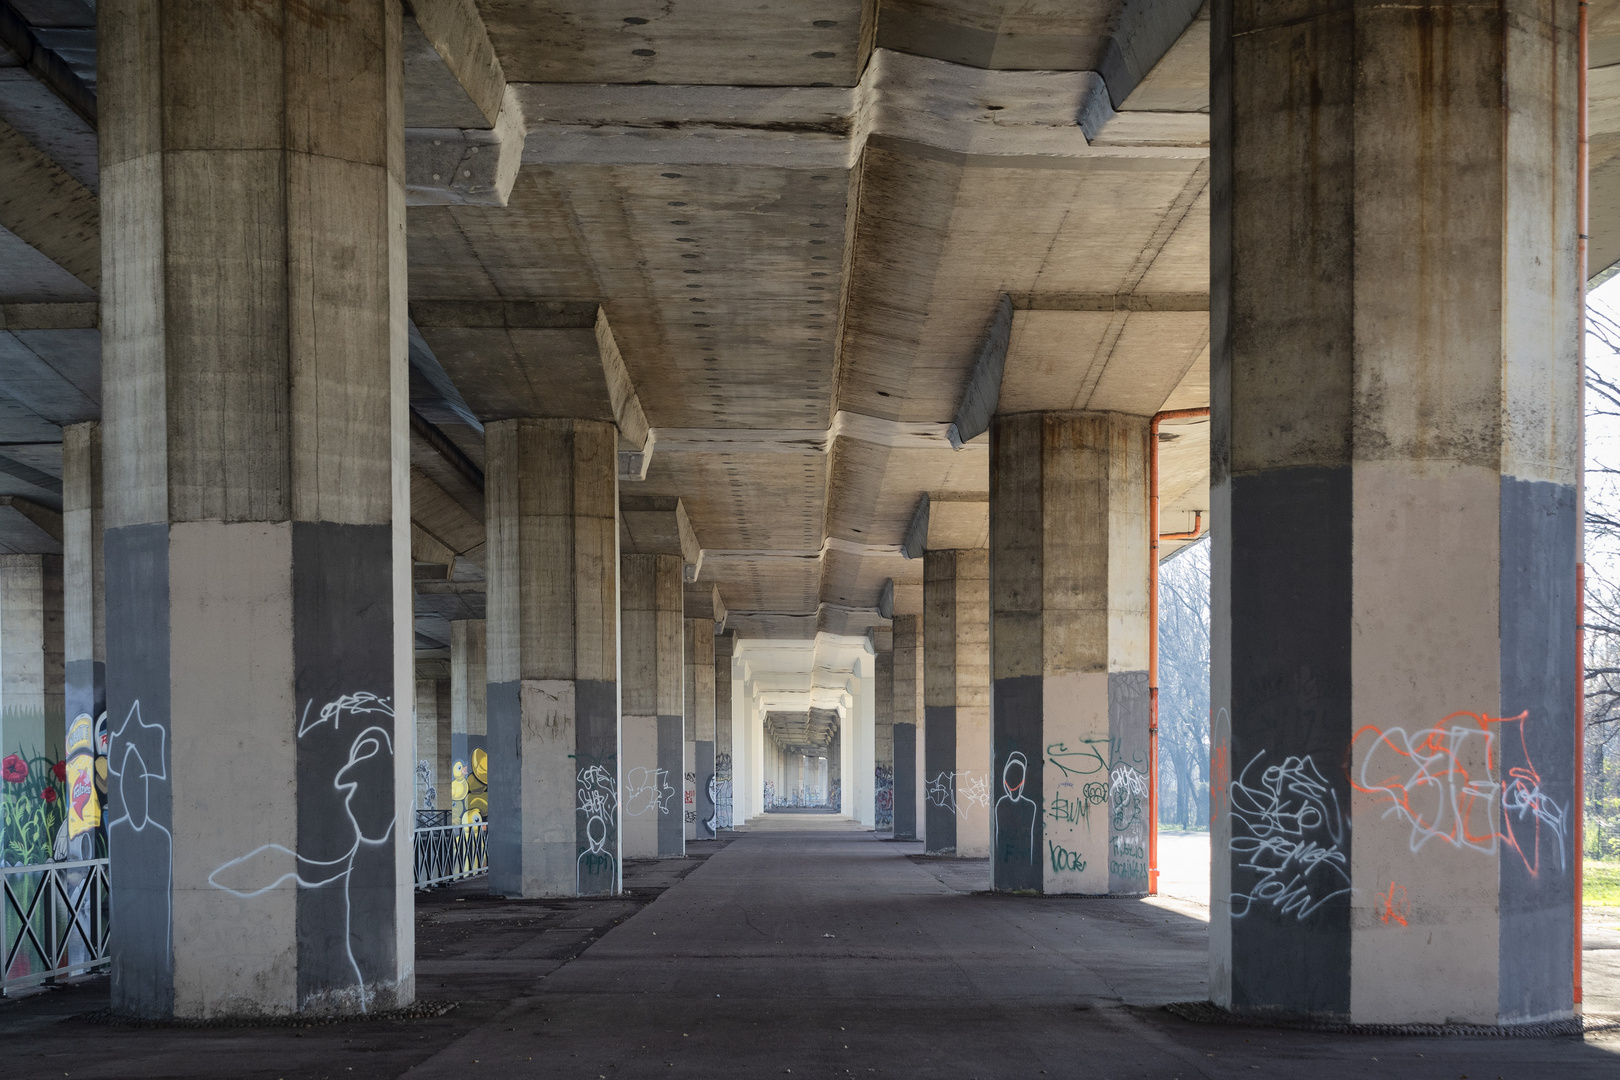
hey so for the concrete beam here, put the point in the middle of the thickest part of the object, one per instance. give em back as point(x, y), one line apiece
point(48, 209)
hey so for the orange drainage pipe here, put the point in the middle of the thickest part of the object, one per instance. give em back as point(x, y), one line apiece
point(1153, 628)
point(1581, 208)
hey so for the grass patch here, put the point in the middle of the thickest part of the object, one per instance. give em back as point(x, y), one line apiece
point(1601, 883)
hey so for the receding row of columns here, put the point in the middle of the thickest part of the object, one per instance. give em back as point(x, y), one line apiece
point(1396, 411)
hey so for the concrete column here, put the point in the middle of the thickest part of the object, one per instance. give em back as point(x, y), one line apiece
point(551, 505)
point(907, 714)
point(1396, 453)
point(84, 600)
point(757, 752)
point(864, 759)
point(883, 741)
point(1068, 539)
point(654, 728)
point(956, 702)
point(725, 727)
point(837, 770)
point(255, 455)
point(426, 752)
point(468, 772)
point(703, 821)
point(31, 713)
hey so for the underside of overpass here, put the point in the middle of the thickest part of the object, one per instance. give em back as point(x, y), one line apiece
point(579, 431)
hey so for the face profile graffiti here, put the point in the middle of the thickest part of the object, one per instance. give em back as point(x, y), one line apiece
point(363, 784)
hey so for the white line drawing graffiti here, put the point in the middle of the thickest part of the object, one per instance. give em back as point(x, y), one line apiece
point(599, 802)
point(135, 780)
point(1128, 791)
point(1013, 805)
point(647, 791)
point(711, 823)
point(959, 791)
point(1289, 830)
point(244, 875)
point(1425, 776)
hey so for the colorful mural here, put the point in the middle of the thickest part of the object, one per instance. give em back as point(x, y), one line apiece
point(469, 779)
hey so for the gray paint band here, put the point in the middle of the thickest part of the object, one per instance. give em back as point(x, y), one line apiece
point(939, 773)
point(1536, 879)
point(596, 743)
point(1017, 784)
point(1129, 805)
point(905, 781)
point(139, 815)
point(672, 812)
point(348, 734)
point(1290, 604)
point(503, 710)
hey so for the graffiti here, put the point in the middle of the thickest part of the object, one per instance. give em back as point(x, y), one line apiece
point(835, 794)
point(1128, 790)
point(690, 817)
point(958, 791)
point(370, 819)
point(1393, 906)
point(1064, 860)
point(883, 796)
point(599, 804)
point(1016, 813)
point(1289, 831)
point(722, 791)
point(32, 807)
point(140, 784)
point(84, 796)
point(1426, 777)
point(647, 791)
point(711, 824)
point(1127, 858)
point(1220, 768)
point(770, 794)
point(427, 795)
point(1086, 761)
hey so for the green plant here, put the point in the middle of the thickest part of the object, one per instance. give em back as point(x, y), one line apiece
point(33, 806)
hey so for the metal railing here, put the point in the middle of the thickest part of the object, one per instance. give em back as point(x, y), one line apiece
point(55, 918)
point(445, 853)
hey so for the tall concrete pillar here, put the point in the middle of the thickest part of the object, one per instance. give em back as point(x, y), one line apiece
point(725, 728)
point(31, 713)
point(703, 819)
point(255, 458)
point(654, 727)
point(84, 600)
point(1396, 452)
point(757, 755)
point(1069, 545)
point(907, 715)
point(863, 760)
point(551, 506)
point(468, 756)
point(956, 702)
point(883, 739)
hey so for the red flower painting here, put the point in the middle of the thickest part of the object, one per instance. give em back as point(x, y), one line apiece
point(14, 769)
point(49, 794)
point(60, 768)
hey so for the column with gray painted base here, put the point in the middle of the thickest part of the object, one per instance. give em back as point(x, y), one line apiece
point(726, 750)
point(255, 459)
point(700, 724)
point(551, 507)
point(84, 602)
point(956, 702)
point(1396, 451)
point(653, 665)
point(468, 753)
point(907, 715)
point(1069, 546)
point(883, 740)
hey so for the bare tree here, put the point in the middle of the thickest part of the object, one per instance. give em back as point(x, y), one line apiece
point(1184, 686)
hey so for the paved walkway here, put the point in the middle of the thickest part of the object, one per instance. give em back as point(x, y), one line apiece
point(814, 950)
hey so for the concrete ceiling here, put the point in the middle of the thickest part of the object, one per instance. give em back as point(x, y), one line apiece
point(774, 243)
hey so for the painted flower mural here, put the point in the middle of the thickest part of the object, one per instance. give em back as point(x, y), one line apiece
point(32, 806)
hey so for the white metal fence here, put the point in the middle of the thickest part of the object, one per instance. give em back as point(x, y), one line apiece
point(55, 918)
point(446, 853)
